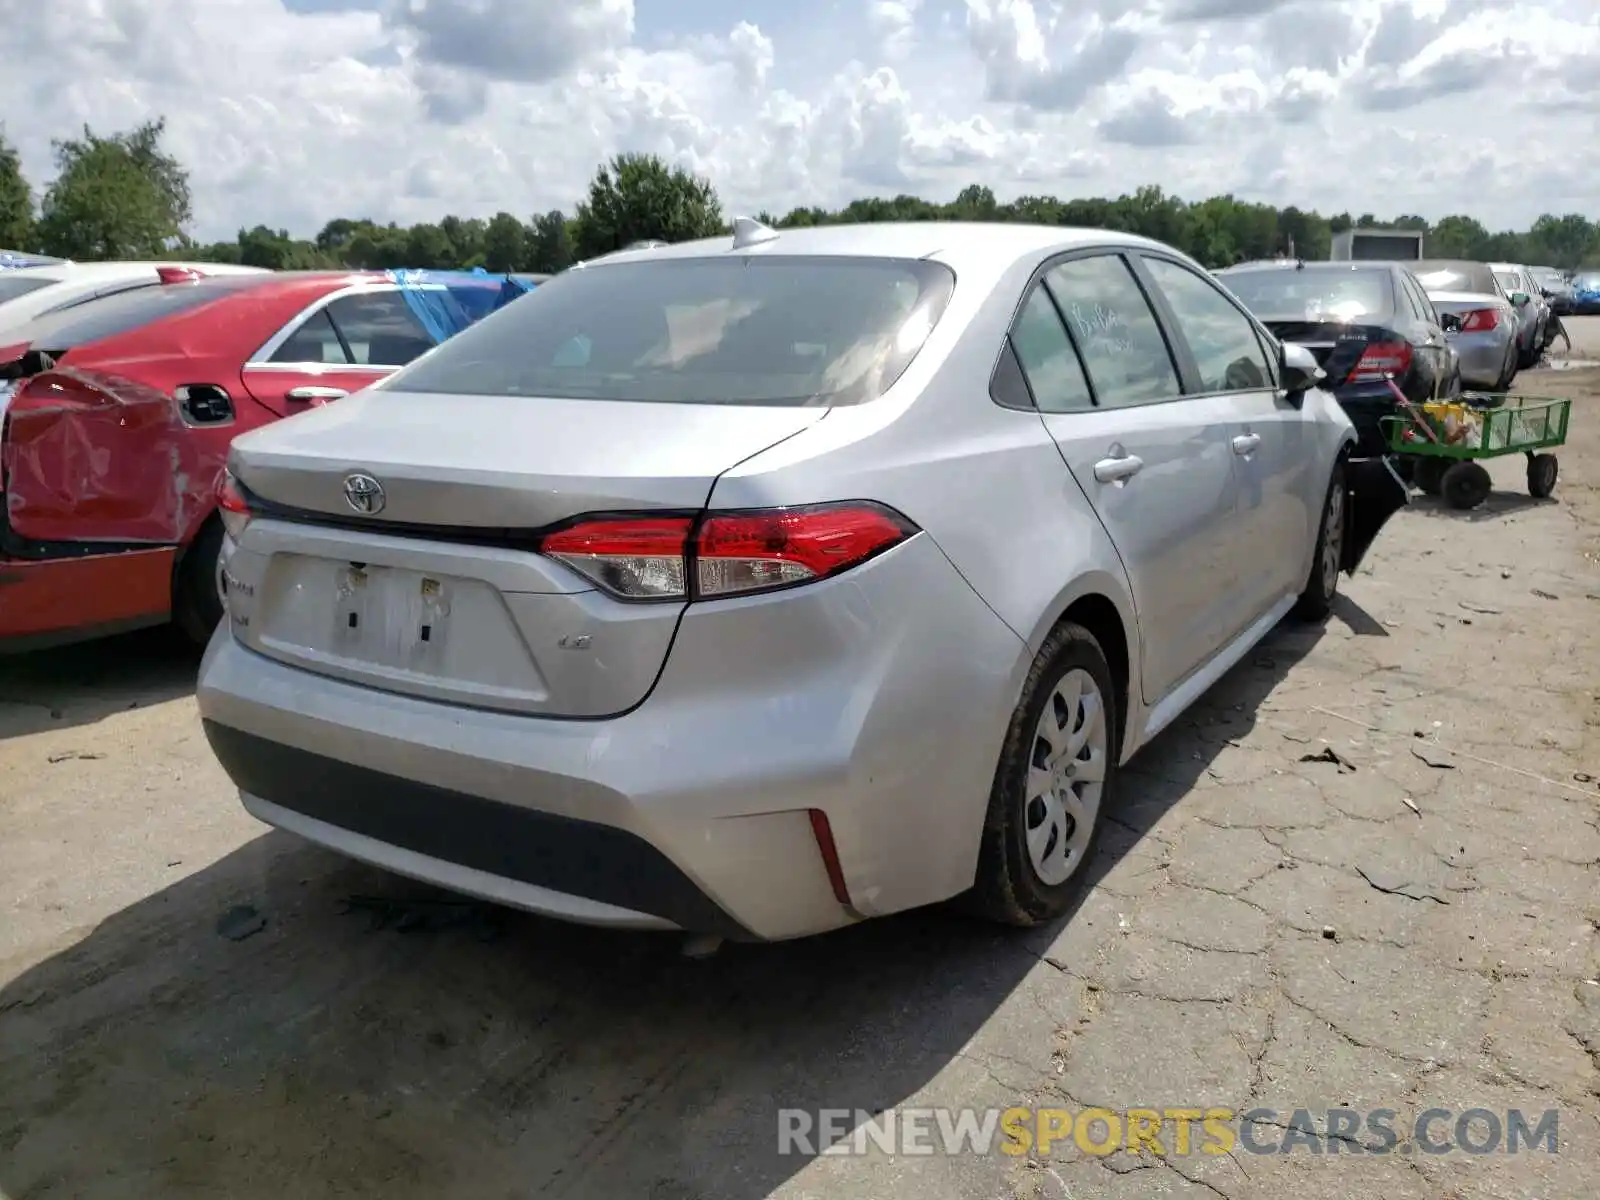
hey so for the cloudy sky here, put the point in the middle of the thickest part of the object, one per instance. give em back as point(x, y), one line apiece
point(290, 112)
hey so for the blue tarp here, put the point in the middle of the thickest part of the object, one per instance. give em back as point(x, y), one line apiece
point(12, 259)
point(446, 302)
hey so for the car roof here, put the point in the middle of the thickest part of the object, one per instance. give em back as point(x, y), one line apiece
point(1290, 264)
point(112, 271)
point(943, 240)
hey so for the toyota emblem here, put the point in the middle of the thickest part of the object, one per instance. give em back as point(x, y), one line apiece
point(364, 494)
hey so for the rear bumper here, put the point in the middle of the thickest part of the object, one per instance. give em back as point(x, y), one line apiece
point(1483, 356)
point(879, 699)
point(503, 852)
point(1366, 405)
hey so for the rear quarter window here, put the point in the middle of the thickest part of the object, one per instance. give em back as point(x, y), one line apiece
point(16, 287)
point(761, 330)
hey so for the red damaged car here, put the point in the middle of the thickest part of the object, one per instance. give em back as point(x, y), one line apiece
point(116, 414)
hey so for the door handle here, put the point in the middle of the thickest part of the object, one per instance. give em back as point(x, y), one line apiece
point(1115, 470)
point(307, 394)
point(1246, 443)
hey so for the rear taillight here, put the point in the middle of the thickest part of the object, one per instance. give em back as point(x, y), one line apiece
point(231, 504)
point(724, 554)
point(634, 558)
point(1480, 320)
point(1381, 360)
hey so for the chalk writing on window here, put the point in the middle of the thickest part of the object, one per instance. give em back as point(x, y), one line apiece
point(1100, 329)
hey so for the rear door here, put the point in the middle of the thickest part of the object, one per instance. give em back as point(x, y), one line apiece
point(338, 345)
point(1432, 347)
point(1156, 465)
point(1223, 363)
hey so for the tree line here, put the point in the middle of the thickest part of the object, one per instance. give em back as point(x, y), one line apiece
point(121, 195)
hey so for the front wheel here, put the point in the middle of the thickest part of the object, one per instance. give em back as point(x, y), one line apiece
point(1542, 472)
point(1316, 602)
point(1466, 485)
point(1054, 779)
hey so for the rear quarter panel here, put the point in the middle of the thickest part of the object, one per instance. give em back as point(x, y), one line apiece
point(987, 482)
point(98, 450)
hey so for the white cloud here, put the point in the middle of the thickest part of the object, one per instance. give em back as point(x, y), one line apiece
point(290, 112)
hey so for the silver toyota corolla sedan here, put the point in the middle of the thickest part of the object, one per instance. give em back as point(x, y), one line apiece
point(754, 586)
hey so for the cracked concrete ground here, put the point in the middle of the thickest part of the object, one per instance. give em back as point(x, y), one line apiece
point(417, 1047)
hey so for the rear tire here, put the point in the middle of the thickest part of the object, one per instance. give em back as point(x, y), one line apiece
point(1428, 474)
point(1316, 602)
point(196, 599)
point(1466, 485)
point(1509, 373)
point(1046, 804)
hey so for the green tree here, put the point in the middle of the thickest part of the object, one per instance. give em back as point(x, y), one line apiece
point(1456, 236)
point(465, 239)
point(551, 247)
point(378, 247)
point(503, 243)
point(636, 197)
point(428, 246)
point(114, 197)
point(16, 200)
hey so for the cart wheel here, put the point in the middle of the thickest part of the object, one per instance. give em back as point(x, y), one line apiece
point(1465, 485)
point(1542, 472)
point(1427, 474)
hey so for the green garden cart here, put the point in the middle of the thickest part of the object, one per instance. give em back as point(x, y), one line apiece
point(1448, 440)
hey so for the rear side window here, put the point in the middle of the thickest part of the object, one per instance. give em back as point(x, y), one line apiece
point(1111, 321)
point(1420, 304)
point(759, 329)
point(316, 341)
point(14, 287)
point(1054, 374)
point(1222, 339)
point(380, 329)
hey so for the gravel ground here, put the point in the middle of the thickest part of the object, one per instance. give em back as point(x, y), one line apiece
point(377, 1039)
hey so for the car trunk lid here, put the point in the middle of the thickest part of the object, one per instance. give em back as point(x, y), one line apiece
point(437, 589)
point(1337, 345)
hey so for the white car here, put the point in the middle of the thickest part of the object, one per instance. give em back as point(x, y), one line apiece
point(29, 292)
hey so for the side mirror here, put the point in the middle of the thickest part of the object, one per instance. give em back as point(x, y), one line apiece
point(1449, 322)
point(1299, 369)
point(1520, 299)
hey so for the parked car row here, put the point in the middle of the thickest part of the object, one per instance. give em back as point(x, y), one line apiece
point(1434, 327)
point(122, 386)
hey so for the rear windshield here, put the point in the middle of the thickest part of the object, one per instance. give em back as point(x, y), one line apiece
point(1440, 276)
point(108, 316)
point(1509, 281)
point(1312, 294)
point(13, 287)
point(1588, 280)
point(766, 330)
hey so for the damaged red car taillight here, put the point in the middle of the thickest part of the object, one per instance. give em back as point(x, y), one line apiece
point(726, 553)
point(231, 504)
